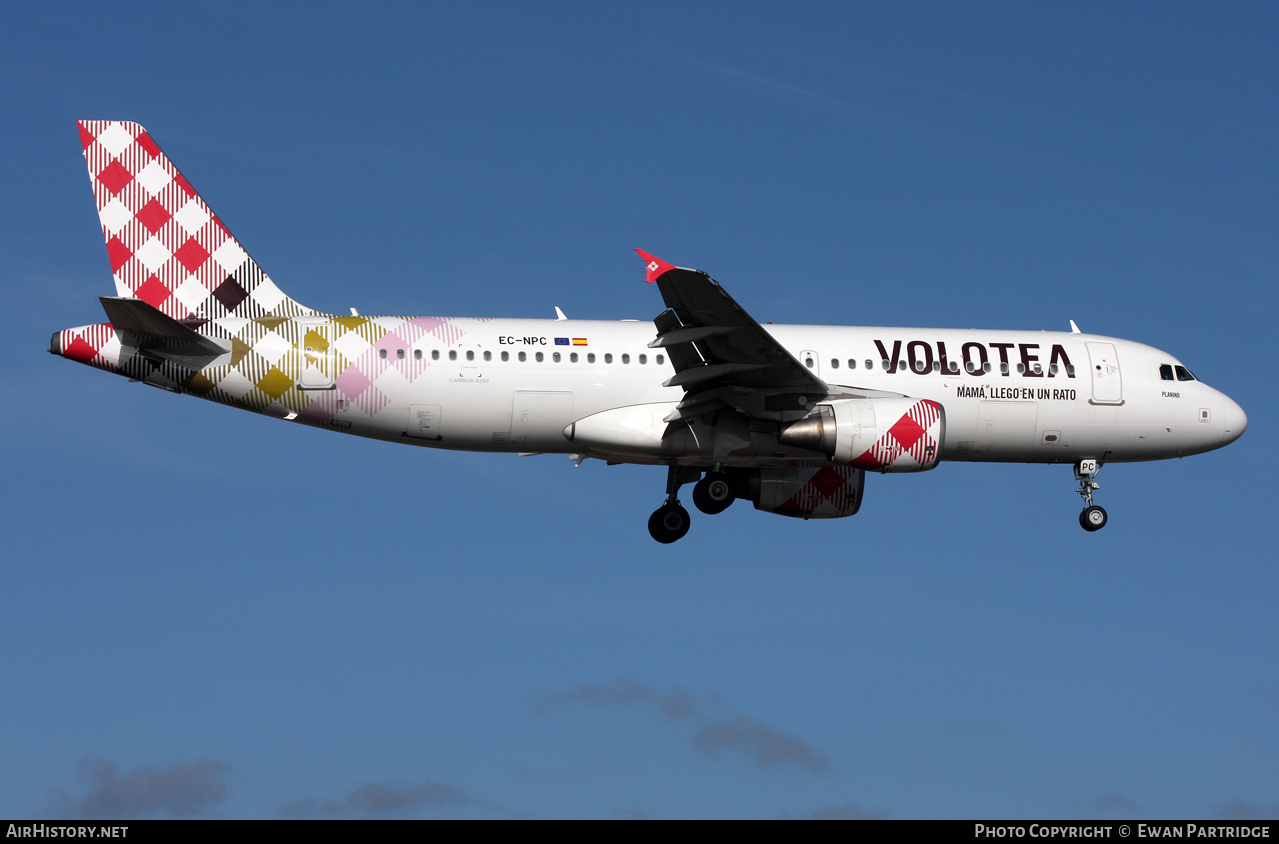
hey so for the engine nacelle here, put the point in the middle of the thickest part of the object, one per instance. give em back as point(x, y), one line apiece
point(879, 434)
point(827, 492)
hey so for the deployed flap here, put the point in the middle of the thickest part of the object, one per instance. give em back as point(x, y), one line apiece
point(714, 344)
point(156, 331)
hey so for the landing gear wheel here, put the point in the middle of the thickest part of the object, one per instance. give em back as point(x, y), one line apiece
point(1092, 518)
point(668, 523)
point(712, 494)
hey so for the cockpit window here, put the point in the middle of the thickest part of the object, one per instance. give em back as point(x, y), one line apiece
point(1165, 371)
point(1183, 374)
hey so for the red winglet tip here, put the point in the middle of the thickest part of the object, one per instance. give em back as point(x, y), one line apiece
point(653, 266)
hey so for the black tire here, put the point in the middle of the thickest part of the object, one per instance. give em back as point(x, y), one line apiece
point(712, 494)
point(668, 523)
point(1092, 518)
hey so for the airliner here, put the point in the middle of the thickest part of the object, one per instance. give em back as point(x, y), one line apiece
point(788, 417)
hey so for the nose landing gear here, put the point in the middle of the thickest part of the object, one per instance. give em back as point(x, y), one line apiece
point(1093, 517)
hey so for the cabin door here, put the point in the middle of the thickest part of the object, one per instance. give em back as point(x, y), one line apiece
point(1107, 384)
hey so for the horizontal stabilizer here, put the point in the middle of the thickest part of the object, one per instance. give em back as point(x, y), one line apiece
point(154, 330)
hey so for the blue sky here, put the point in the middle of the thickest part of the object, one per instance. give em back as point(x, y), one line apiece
point(207, 613)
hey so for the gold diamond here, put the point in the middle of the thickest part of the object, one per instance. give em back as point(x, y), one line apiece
point(275, 383)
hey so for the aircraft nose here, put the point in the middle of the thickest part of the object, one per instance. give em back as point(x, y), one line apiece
point(1236, 421)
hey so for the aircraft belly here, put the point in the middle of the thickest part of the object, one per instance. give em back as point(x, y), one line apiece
point(1036, 431)
point(500, 411)
point(538, 419)
point(455, 410)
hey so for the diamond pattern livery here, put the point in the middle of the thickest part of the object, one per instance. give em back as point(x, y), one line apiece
point(159, 231)
point(830, 492)
point(911, 444)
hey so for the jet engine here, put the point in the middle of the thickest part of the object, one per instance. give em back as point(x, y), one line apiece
point(880, 434)
point(827, 492)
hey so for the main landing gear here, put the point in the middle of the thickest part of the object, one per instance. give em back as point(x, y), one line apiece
point(712, 494)
point(1093, 517)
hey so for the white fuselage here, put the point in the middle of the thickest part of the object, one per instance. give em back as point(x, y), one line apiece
point(1021, 396)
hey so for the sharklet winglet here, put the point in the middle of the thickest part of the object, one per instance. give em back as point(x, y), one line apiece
point(654, 267)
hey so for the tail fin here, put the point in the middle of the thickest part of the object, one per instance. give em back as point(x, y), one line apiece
point(165, 245)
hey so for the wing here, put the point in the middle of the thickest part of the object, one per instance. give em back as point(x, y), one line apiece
point(722, 356)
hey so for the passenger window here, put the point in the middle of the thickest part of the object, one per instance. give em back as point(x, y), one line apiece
point(886, 364)
point(1003, 367)
point(506, 356)
point(590, 357)
point(808, 362)
point(608, 358)
point(936, 366)
point(470, 355)
point(539, 357)
point(523, 357)
point(435, 354)
point(488, 355)
point(660, 360)
point(643, 359)
point(572, 357)
point(452, 354)
point(399, 354)
point(626, 358)
point(852, 363)
point(1183, 374)
point(834, 363)
point(417, 354)
point(381, 353)
point(985, 367)
point(555, 356)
